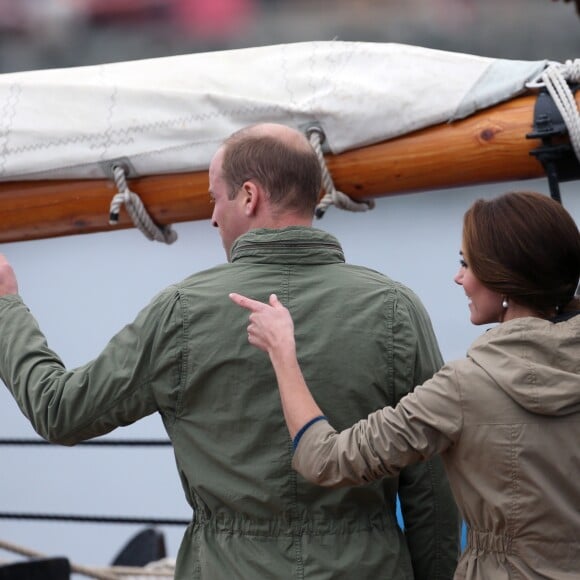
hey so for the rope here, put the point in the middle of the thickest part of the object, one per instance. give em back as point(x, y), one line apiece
point(555, 78)
point(332, 196)
point(90, 572)
point(136, 210)
point(154, 569)
point(94, 519)
point(104, 442)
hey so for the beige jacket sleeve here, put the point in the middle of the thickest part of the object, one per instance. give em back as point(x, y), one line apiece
point(423, 424)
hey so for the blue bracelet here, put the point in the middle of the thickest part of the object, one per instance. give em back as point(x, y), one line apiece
point(298, 435)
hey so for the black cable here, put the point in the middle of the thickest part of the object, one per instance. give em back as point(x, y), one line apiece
point(103, 442)
point(94, 519)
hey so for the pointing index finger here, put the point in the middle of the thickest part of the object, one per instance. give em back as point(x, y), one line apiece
point(245, 302)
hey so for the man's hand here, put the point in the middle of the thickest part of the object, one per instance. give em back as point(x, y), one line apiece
point(8, 283)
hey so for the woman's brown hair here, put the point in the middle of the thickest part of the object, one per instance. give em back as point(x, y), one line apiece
point(526, 246)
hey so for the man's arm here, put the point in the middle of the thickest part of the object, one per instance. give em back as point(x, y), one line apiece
point(69, 406)
point(432, 523)
point(431, 519)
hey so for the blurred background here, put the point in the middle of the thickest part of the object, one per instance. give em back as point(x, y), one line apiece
point(57, 33)
point(83, 289)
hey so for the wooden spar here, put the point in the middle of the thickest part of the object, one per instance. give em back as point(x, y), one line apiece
point(487, 147)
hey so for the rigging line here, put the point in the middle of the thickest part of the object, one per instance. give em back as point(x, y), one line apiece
point(109, 573)
point(95, 519)
point(104, 442)
point(332, 196)
point(136, 210)
point(555, 79)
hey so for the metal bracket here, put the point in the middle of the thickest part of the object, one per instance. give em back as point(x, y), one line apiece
point(555, 154)
point(124, 162)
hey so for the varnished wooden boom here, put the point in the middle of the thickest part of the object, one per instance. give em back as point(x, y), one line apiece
point(490, 146)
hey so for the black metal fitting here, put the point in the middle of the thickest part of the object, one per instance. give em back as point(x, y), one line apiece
point(556, 156)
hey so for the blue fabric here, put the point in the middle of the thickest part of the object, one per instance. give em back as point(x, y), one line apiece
point(298, 435)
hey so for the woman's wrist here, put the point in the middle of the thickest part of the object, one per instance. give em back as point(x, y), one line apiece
point(282, 352)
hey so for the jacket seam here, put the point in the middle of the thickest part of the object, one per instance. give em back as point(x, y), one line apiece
point(296, 535)
point(182, 300)
point(389, 317)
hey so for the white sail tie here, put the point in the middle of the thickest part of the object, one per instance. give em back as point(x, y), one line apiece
point(136, 210)
point(332, 196)
point(555, 78)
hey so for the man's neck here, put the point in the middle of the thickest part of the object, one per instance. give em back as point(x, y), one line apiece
point(284, 221)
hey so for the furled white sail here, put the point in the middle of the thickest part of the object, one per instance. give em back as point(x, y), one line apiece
point(168, 115)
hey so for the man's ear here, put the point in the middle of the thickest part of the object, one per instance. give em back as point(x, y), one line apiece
point(250, 197)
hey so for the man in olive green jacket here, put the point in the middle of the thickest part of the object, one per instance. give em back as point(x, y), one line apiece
point(186, 357)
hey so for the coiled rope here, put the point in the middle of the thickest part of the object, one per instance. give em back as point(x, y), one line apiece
point(331, 196)
point(162, 569)
point(556, 78)
point(136, 210)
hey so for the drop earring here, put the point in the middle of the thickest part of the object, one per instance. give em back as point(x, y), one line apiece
point(505, 303)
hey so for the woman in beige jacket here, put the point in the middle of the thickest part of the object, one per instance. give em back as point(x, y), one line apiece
point(506, 419)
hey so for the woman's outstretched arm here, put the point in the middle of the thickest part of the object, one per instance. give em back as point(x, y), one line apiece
point(271, 329)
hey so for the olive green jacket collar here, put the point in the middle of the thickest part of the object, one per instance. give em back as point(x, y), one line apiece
point(291, 245)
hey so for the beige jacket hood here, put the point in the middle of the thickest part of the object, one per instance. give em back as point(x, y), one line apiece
point(535, 362)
